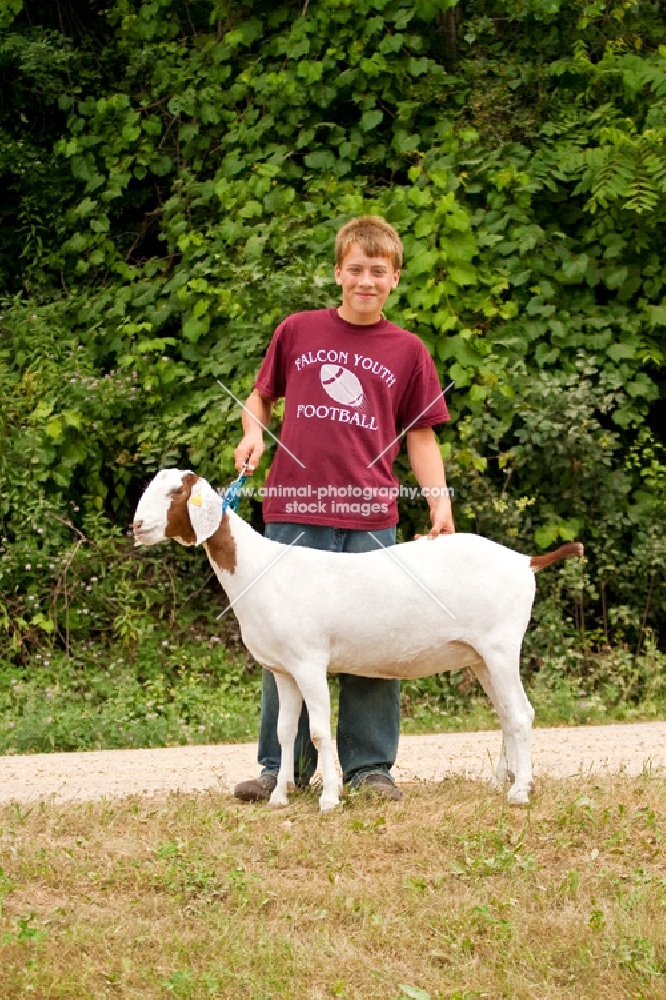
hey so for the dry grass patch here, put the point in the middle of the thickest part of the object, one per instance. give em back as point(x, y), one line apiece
point(450, 894)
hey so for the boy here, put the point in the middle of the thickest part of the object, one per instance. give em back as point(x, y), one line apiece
point(352, 383)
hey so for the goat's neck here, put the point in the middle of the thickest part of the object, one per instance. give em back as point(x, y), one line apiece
point(237, 553)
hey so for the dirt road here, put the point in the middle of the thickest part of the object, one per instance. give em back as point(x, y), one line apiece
point(109, 773)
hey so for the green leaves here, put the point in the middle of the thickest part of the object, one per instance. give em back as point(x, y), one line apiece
point(9, 10)
point(548, 535)
point(175, 177)
point(657, 314)
point(575, 268)
point(371, 119)
point(324, 160)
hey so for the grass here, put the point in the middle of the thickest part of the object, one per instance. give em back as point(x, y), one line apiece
point(197, 690)
point(167, 694)
point(564, 703)
point(451, 894)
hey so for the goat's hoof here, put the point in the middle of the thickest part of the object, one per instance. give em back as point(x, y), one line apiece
point(278, 799)
point(518, 796)
point(327, 804)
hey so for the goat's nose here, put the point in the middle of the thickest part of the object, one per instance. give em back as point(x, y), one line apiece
point(137, 525)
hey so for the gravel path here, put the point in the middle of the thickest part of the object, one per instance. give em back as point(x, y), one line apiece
point(558, 752)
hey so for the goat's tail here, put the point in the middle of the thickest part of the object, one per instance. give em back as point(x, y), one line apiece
point(564, 552)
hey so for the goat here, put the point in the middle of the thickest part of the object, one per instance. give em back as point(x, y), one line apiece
point(409, 611)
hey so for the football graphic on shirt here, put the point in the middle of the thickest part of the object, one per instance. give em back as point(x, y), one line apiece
point(341, 385)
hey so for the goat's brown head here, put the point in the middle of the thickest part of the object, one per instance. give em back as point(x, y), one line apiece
point(179, 505)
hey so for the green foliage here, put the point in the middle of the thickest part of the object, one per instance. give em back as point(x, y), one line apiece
point(182, 690)
point(175, 173)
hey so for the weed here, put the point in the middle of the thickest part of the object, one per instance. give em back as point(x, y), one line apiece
point(190, 689)
point(24, 934)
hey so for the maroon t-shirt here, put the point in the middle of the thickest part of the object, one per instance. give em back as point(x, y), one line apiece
point(349, 392)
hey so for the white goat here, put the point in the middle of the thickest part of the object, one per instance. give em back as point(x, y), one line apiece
point(409, 611)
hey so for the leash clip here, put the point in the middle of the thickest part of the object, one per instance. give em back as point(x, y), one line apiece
point(233, 491)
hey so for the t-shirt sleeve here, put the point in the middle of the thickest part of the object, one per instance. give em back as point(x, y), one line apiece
point(423, 404)
point(271, 380)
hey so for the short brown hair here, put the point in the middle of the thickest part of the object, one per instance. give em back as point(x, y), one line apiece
point(376, 237)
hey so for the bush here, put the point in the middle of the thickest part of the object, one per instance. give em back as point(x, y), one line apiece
point(175, 174)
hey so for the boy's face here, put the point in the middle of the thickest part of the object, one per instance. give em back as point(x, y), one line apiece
point(366, 284)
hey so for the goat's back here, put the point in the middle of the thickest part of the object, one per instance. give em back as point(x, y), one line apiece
point(407, 611)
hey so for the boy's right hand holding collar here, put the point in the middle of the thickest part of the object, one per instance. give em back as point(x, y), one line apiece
point(255, 417)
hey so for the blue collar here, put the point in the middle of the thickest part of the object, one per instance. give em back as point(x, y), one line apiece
point(233, 494)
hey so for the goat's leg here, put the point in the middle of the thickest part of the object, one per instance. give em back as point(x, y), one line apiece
point(518, 738)
point(516, 717)
point(313, 684)
point(506, 765)
point(521, 717)
point(287, 726)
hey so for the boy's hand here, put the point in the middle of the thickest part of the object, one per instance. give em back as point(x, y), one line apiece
point(255, 417)
point(426, 461)
point(249, 450)
point(441, 517)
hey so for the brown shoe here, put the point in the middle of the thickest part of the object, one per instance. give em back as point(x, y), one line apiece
point(256, 789)
point(381, 785)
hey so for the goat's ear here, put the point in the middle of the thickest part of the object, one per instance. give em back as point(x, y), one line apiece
point(205, 509)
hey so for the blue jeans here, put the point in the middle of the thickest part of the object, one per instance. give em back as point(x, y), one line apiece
point(369, 712)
